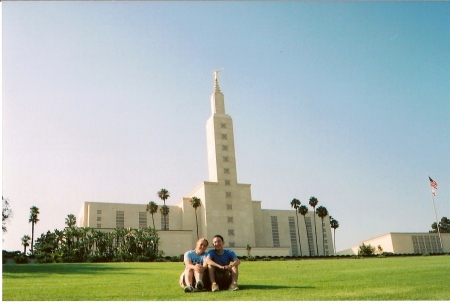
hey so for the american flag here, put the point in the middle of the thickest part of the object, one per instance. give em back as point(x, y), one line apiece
point(432, 183)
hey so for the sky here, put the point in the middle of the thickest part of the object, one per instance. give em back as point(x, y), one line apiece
point(345, 101)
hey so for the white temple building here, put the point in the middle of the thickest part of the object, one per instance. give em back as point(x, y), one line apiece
point(226, 208)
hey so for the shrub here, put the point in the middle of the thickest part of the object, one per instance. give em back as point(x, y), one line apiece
point(266, 259)
point(366, 250)
point(21, 259)
point(426, 254)
point(142, 258)
point(44, 258)
point(251, 258)
point(282, 259)
point(175, 258)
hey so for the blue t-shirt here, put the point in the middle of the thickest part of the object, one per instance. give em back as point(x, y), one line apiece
point(222, 259)
point(195, 258)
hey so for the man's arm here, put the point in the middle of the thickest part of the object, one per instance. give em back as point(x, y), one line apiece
point(209, 261)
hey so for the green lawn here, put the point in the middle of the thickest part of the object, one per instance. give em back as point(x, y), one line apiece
point(399, 278)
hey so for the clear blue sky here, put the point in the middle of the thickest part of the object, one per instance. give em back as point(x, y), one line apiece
point(108, 101)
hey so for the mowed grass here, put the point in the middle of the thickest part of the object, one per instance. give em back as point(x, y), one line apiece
point(399, 278)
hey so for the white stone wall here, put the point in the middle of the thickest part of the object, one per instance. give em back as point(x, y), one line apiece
point(400, 242)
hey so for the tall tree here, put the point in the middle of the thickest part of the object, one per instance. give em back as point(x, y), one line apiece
point(152, 208)
point(196, 202)
point(444, 226)
point(164, 195)
point(313, 203)
point(164, 211)
point(334, 225)
point(71, 220)
point(34, 211)
point(25, 244)
point(6, 213)
point(322, 212)
point(295, 203)
point(303, 210)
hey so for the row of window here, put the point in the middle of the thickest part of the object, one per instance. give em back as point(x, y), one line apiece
point(426, 244)
point(293, 236)
point(120, 219)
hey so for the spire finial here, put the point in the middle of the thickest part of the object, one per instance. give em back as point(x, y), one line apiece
point(216, 80)
point(216, 74)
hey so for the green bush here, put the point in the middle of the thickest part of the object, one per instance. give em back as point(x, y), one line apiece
point(175, 258)
point(266, 259)
point(44, 258)
point(251, 258)
point(366, 250)
point(21, 259)
point(142, 258)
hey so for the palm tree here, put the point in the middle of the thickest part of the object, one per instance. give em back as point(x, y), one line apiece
point(34, 211)
point(6, 214)
point(152, 208)
point(322, 212)
point(196, 202)
point(164, 211)
point(334, 224)
point(164, 194)
point(303, 210)
point(25, 244)
point(71, 220)
point(313, 203)
point(295, 203)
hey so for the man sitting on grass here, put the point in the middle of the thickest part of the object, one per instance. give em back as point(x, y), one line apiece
point(221, 272)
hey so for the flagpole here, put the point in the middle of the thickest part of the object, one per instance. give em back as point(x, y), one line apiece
point(435, 215)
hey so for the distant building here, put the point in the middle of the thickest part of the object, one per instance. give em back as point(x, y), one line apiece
point(405, 242)
point(227, 208)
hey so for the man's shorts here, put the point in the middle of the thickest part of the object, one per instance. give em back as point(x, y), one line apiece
point(223, 278)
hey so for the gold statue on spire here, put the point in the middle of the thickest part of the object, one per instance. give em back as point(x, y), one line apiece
point(216, 74)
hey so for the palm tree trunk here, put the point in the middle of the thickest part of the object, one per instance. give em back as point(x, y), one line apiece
point(32, 237)
point(315, 229)
point(153, 220)
point(164, 214)
point(298, 234)
point(334, 240)
point(196, 221)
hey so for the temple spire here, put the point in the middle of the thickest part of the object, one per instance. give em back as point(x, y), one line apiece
point(217, 99)
point(216, 80)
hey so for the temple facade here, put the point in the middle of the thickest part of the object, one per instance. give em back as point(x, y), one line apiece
point(226, 208)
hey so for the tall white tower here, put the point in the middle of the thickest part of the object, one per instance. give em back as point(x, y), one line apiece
point(228, 205)
point(220, 140)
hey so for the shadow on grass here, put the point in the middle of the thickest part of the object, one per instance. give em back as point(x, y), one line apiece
point(10, 270)
point(268, 287)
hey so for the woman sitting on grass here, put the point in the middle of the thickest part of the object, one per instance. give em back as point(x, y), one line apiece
point(195, 262)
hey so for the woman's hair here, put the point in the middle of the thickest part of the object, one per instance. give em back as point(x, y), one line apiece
point(200, 240)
